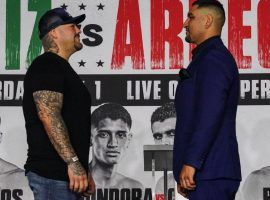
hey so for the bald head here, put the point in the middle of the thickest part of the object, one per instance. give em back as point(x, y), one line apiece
point(215, 8)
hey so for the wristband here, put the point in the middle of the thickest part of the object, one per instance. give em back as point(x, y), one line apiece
point(73, 160)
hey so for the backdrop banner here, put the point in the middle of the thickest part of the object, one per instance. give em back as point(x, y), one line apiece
point(132, 53)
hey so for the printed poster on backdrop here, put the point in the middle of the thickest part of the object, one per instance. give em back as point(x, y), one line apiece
point(133, 50)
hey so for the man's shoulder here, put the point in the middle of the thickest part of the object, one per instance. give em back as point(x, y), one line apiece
point(9, 168)
point(128, 182)
point(261, 173)
point(220, 58)
point(47, 62)
point(46, 56)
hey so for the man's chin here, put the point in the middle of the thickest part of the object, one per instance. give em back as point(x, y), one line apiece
point(112, 161)
point(188, 39)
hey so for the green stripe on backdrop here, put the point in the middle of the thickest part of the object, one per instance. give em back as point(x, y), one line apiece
point(13, 31)
point(34, 49)
point(13, 15)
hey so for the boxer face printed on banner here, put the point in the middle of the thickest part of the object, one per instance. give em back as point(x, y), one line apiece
point(163, 131)
point(110, 139)
point(163, 122)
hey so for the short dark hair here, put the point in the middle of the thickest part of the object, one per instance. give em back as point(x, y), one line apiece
point(163, 112)
point(113, 111)
point(212, 4)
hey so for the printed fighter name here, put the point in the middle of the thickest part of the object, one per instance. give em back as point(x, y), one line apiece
point(8, 194)
point(11, 90)
point(257, 89)
point(266, 193)
point(128, 194)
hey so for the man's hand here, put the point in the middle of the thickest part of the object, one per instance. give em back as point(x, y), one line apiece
point(77, 177)
point(91, 186)
point(186, 177)
point(182, 190)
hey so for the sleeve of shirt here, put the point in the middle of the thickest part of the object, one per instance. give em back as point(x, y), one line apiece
point(48, 77)
point(212, 86)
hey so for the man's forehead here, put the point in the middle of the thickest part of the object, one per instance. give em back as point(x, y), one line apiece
point(165, 125)
point(195, 10)
point(107, 122)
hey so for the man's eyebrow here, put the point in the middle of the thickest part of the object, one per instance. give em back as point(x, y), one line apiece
point(169, 131)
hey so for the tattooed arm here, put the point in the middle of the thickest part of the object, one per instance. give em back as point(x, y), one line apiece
point(49, 106)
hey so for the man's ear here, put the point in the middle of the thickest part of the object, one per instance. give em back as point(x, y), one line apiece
point(209, 20)
point(53, 33)
point(129, 137)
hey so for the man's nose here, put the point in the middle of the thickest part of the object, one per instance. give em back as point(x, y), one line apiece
point(167, 141)
point(113, 142)
point(185, 23)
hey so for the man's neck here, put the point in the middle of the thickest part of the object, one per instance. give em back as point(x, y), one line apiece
point(210, 35)
point(62, 54)
point(102, 174)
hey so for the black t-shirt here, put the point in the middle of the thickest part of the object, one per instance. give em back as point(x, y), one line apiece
point(51, 72)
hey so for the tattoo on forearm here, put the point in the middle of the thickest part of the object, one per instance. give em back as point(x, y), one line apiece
point(49, 105)
point(77, 168)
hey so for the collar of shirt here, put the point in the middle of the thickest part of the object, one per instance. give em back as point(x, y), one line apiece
point(196, 50)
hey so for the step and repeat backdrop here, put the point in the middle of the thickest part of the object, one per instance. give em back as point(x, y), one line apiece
point(133, 50)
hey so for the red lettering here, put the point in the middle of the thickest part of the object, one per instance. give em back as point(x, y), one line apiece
point(237, 32)
point(160, 35)
point(128, 15)
point(263, 33)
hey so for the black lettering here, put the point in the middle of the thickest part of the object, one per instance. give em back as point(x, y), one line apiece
point(148, 194)
point(171, 194)
point(87, 30)
point(102, 194)
point(266, 193)
point(136, 194)
point(17, 193)
point(5, 194)
point(114, 194)
point(125, 194)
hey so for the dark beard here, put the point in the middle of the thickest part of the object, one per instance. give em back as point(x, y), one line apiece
point(188, 39)
point(78, 46)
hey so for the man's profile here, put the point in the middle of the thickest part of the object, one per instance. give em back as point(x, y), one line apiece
point(206, 162)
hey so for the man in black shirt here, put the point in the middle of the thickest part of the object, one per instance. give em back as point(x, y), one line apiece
point(56, 107)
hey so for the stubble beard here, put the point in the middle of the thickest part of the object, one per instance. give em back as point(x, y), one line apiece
point(77, 44)
point(188, 38)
